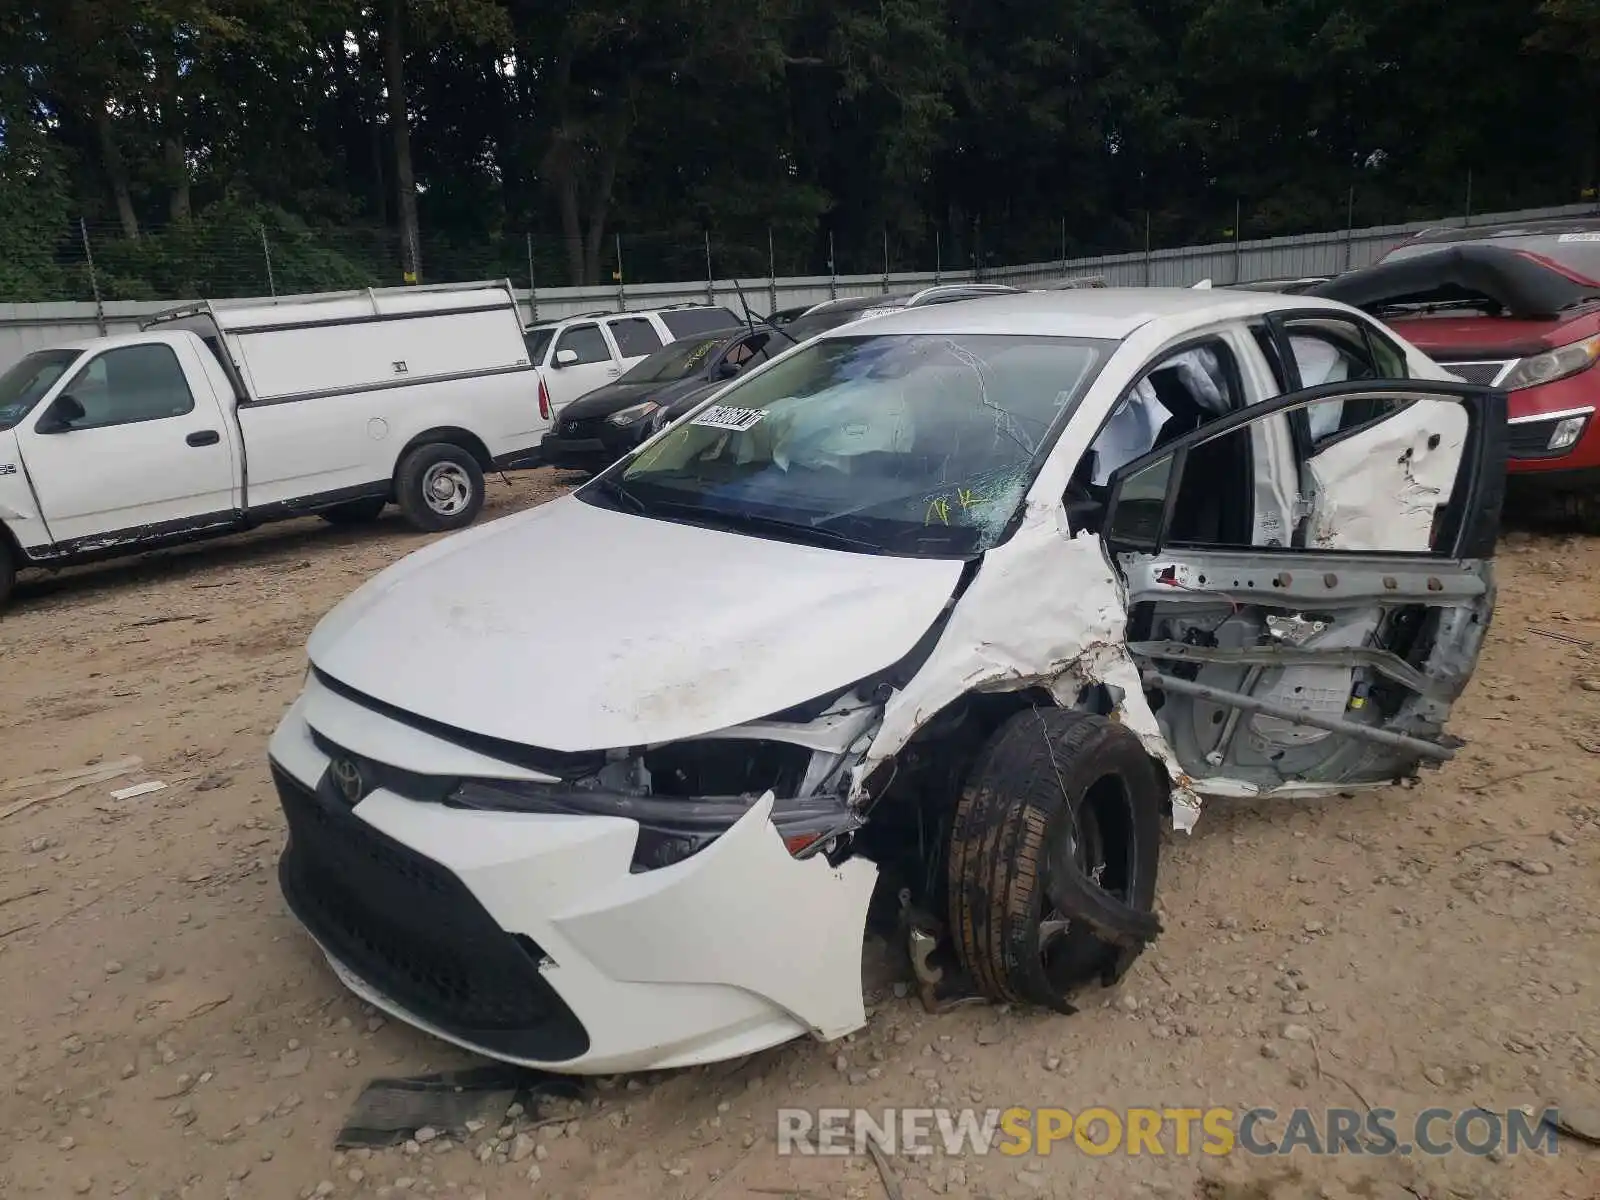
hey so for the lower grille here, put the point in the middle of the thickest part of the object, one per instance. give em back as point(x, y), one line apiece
point(411, 929)
point(1531, 439)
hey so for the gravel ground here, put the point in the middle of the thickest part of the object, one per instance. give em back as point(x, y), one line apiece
point(170, 1033)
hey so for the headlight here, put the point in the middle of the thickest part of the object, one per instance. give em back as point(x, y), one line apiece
point(1566, 433)
point(633, 413)
point(1553, 364)
point(671, 829)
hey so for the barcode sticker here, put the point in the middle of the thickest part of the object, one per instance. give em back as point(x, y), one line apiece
point(720, 416)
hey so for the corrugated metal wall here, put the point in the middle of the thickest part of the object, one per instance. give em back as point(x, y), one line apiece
point(25, 327)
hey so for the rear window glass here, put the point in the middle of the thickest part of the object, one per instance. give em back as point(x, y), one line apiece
point(677, 361)
point(686, 322)
point(1578, 252)
point(538, 341)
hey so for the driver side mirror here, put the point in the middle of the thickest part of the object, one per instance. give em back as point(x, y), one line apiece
point(58, 418)
point(565, 358)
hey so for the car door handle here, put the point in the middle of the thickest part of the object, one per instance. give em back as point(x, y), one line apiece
point(204, 437)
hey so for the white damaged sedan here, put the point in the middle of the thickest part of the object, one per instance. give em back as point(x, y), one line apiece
point(955, 607)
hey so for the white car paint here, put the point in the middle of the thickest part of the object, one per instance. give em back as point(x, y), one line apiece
point(648, 1001)
point(666, 632)
point(331, 390)
point(94, 481)
point(627, 679)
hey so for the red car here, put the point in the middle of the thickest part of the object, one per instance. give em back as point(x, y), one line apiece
point(1515, 306)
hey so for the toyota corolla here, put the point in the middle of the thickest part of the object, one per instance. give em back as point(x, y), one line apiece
point(956, 608)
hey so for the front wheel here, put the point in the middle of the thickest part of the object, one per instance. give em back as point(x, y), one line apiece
point(439, 487)
point(1052, 865)
point(8, 573)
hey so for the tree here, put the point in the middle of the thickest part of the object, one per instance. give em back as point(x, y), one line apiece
point(363, 133)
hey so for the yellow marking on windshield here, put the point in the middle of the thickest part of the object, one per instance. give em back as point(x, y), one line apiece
point(938, 509)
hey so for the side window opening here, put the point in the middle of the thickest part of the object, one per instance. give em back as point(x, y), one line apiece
point(1178, 395)
point(130, 384)
point(588, 342)
point(635, 337)
point(687, 322)
point(1341, 350)
point(1392, 485)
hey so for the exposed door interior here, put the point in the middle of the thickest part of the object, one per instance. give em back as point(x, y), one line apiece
point(1330, 653)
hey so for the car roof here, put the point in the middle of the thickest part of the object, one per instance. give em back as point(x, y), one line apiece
point(1111, 313)
point(851, 303)
point(1548, 227)
point(606, 313)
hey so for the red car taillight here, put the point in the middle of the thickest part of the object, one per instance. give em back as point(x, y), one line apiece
point(544, 400)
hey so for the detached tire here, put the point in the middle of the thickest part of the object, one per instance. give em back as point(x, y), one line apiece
point(357, 512)
point(439, 487)
point(1052, 864)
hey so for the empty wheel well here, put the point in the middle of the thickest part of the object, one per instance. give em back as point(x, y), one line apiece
point(10, 545)
point(910, 818)
point(451, 436)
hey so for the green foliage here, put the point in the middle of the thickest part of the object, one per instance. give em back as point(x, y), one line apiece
point(34, 216)
point(180, 130)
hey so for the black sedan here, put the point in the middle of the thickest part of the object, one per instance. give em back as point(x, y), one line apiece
point(601, 426)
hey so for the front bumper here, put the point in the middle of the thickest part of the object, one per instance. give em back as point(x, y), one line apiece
point(526, 938)
point(593, 447)
point(1545, 439)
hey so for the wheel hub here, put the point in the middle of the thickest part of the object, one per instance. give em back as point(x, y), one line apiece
point(446, 488)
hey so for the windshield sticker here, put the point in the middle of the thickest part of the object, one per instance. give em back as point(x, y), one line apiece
point(698, 354)
point(720, 416)
point(1579, 237)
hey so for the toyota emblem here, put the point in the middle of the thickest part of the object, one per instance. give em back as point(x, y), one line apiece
point(346, 777)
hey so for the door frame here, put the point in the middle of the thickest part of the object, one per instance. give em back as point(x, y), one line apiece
point(1473, 511)
point(1452, 579)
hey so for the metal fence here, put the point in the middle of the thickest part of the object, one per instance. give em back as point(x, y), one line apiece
point(25, 327)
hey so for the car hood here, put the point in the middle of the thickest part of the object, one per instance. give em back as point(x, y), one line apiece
point(614, 397)
point(604, 401)
point(686, 398)
point(572, 627)
point(1489, 337)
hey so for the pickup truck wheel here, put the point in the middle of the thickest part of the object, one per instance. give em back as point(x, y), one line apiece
point(8, 573)
point(1052, 865)
point(357, 512)
point(439, 487)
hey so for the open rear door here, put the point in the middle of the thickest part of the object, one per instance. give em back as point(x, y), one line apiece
point(1321, 644)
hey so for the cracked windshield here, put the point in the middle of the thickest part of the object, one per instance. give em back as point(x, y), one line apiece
point(896, 444)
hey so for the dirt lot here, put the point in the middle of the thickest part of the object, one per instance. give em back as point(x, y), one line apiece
point(169, 1033)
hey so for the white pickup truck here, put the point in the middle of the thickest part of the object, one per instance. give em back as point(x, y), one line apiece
point(219, 417)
